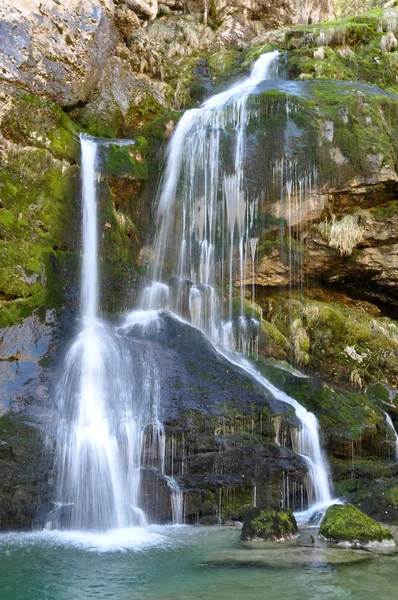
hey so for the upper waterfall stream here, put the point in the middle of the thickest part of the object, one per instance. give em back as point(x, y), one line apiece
point(109, 414)
point(206, 231)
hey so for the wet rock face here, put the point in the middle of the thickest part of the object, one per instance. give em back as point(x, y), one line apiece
point(277, 525)
point(349, 526)
point(22, 347)
point(220, 435)
point(24, 474)
point(56, 49)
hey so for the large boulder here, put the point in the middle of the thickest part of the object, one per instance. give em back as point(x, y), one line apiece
point(56, 49)
point(277, 525)
point(348, 526)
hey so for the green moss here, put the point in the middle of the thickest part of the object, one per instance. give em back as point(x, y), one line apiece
point(32, 121)
point(275, 343)
point(128, 161)
point(225, 62)
point(250, 309)
point(348, 523)
point(385, 212)
point(269, 524)
point(35, 223)
point(378, 393)
point(347, 345)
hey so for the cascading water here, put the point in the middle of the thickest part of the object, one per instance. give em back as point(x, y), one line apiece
point(110, 428)
point(391, 425)
point(205, 212)
point(108, 406)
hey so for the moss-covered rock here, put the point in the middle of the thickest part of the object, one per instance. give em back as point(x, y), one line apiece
point(350, 344)
point(348, 525)
point(277, 525)
point(357, 48)
point(38, 207)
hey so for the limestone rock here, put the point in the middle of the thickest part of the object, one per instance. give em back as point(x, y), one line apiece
point(277, 13)
point(54, 49)
point(146, 9)
point(277, 525)
point(120, 102)
point(348, 526)
point(126, 20)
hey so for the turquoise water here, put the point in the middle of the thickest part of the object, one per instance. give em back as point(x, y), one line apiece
point(186, 563)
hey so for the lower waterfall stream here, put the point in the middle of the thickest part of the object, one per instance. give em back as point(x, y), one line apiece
point(110, 427)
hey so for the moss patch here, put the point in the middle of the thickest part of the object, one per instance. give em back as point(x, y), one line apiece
point(348, 345)
point(269, 524)
point(348, 524)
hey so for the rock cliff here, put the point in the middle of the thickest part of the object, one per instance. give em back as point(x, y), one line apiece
point(325, 285)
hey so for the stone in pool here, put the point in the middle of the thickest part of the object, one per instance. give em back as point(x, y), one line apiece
point(346, 525)
point(269, 524)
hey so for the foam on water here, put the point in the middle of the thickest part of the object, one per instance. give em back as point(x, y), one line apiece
point(114, 540)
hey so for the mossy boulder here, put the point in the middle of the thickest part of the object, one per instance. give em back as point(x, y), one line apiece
point(277, 525)
point(346, 524)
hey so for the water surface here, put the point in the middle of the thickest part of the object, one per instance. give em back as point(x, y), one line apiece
point(185, 563)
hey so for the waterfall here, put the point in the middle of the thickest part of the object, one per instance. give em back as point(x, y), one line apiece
point(109, 428)
point(108, 400)
point(206, 231)
point(391, 425)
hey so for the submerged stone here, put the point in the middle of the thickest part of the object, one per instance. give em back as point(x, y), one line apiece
point(348, 526)
point(288, 557)
point(277, 525)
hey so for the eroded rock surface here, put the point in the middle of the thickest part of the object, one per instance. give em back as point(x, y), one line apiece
point(55, 49)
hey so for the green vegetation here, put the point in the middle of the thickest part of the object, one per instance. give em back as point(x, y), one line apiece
point(269, 524)
point(348, 524)
point(355, 48)
point(345, 344)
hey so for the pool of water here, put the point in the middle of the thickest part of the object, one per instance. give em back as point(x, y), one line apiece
point(186, 563)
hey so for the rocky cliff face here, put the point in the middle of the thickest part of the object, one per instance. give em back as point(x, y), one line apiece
point(56, 50)
point(123, 69)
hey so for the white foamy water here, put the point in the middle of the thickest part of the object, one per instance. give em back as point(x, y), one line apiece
point(109, 427)
point(114, 540)
point(391, 425)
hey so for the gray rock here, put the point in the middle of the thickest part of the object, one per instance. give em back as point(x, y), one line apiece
point(56, 49)
point(21, 375)
point(121, 101)
point(146, 9)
